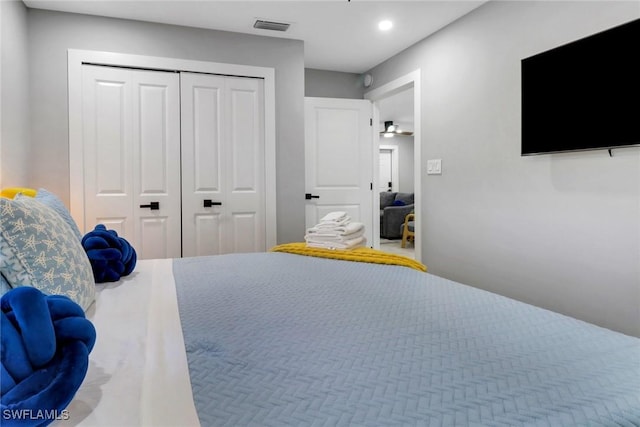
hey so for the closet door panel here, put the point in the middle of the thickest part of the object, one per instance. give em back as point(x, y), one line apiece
point(112, 137)
point(223, 205)
point(156, 153)
point(153, 139)
point(207, 236)
point(206, 145)
point(203, 153)
point(116, 224)
point(107, 149)
point(154, 232)
point(245, 139)
point(246, 231)
point(245, 172)
point(131, 142)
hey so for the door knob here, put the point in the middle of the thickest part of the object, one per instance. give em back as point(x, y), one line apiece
point(208, 203)
point(154, 206)
point(309, 196)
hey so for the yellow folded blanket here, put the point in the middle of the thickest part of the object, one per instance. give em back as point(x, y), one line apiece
point(358, 254)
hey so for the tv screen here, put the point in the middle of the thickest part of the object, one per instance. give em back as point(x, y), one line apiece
point(584, 95)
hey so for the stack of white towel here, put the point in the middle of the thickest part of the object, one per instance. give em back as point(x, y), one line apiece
point(336, 231)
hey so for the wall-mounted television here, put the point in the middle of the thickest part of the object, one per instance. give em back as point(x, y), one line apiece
point(584, 95)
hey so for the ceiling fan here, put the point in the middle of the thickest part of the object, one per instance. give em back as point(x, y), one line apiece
point(391, 130)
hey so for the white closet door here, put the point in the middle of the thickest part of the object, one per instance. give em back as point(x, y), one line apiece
point(131, 140)
point(223, 165)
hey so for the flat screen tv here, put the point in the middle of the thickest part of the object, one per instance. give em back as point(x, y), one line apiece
point(584, 95)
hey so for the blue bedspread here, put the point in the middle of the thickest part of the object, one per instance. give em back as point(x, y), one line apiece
point(277, 339)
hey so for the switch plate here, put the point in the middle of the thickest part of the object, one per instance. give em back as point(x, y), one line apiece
point(434, 167)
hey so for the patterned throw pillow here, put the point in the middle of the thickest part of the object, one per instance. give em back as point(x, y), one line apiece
point(51, 200)
point(38, 248)
point(4, 285)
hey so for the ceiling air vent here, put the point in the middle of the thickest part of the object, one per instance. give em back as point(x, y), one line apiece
point(270, 25)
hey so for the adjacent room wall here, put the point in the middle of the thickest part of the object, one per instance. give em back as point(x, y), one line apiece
point(561, 231)
point(52, 33)
point(332, 84)
point(405, 160)
point(14, 95)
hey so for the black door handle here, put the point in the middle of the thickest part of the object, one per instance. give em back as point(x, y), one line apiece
point(154, 206)
point(309, 196)
point(208, 203)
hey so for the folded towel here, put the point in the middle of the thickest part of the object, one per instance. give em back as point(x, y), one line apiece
point(334, 217)
point(342, 230)
point(336, 231)
point(46, 341)
point(338, 238)
point(347, 244)
point(333, 224)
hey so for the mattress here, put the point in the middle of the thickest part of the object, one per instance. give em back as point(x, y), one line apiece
point(276, 339)
point(279, 339)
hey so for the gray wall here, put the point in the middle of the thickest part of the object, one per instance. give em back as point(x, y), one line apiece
point(560, 231)
point(14, 86)
point(52, 33)
point(332, 84)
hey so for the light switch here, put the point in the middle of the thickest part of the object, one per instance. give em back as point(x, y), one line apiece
point(434, 167)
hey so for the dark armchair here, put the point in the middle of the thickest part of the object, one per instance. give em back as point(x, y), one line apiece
point(394, 207)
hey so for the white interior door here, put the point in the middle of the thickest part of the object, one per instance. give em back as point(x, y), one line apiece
point(131, 142)
point(223, 183)
point(386, 174)
point(338, 159)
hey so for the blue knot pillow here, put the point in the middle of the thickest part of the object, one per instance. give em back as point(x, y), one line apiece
point(111, 257)
point(46, 341)
point(399, 203)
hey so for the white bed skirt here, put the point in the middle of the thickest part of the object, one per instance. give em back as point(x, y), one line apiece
point(138, 372)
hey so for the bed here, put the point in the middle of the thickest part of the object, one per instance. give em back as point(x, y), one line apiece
point(280, 339)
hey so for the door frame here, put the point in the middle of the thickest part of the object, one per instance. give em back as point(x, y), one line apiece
point(400, 84)
point(76, 58)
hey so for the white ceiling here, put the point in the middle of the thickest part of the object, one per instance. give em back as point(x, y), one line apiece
point(337, 35)
point(398, 109)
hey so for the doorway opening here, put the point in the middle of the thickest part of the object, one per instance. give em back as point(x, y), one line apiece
point(399, 102)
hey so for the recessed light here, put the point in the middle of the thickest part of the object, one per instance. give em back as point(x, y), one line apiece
point(385, 25)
